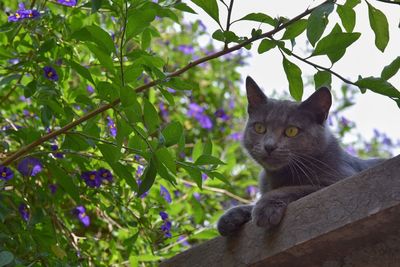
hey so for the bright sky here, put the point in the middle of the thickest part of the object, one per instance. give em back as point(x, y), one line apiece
point(362, 58)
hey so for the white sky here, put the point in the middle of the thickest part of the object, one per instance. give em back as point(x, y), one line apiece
point(371, 110)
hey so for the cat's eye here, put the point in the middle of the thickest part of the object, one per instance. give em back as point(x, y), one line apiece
point(259, 128)
point(291, 131)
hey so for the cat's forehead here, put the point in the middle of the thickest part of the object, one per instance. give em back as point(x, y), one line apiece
point(279, 111)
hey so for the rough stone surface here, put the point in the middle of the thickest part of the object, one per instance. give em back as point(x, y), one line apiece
point(354, 222)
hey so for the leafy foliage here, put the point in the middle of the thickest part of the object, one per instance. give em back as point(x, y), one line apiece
point(120, 137)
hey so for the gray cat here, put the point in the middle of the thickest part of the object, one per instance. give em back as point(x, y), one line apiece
point(298, 154)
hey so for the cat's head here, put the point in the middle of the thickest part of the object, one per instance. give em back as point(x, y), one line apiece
point(279, 131)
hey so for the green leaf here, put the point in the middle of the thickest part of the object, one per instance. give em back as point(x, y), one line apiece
point(194, 173)
point(317, 22)
point(322, 78)
point(146, 39)
point(125, 173)
point(347, 16)
point(293, 74)
point(295, 29)
point(166, 158)
point(102, 38)
point(218, 35)
point(259, 17)
point(84, 72)
point(380, 26)
point(172, 133)
point(151, 119)
point(96, 35)
point(179, 84)
point(184, 7)
point(74, 142)
point(6, 258)
point(148, 177)
point(65, 181)
point(110, 153)
point(210, 7)
point(208, 160)
point(128, 96)
point(335, 41)
point(266, 45)
point(138, 20)
point(390, 70)
point(104, 59)
point(378, 85)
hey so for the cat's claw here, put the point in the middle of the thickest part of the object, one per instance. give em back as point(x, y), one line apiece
point(268, 213)
point(233, 220)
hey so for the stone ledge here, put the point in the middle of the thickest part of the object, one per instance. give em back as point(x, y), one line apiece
point(340, 225)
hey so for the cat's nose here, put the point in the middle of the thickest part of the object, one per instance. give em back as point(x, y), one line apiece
point(269, 148)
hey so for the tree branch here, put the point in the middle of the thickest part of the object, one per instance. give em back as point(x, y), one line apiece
point(115, 102)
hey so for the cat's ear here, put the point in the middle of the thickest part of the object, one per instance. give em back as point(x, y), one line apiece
point(255, 96)
point(318, 104)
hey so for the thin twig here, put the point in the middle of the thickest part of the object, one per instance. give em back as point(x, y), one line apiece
point(219, 190)
point(228, 20)
point(319, 67)
point(144, 87)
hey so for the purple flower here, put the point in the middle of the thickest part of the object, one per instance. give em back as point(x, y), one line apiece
point(197, 196)
point(29, 166)
point(53, 188)
point(186, 49)
point(183, 241)
point(386, 140)
point(50, 73)
point(6, 173)
point(197, 112)
point(220, 113)
point(194, 109)
point(165, 194)
point(205, 122)
point(202, 27)
point(90, 89)
point(24, 212)
point(56, 154)
point(251, 190)
point(235, 136)
point(105, 174)
point(166, 228)
point(91, 178)
point(80, 213)
point(204, 177)
point(163, 110)
point(13, 61)
point(111, 127)
point(67, 2)
point(23, 14)
point(345, 122)
point(172, 91)
point(163, 215)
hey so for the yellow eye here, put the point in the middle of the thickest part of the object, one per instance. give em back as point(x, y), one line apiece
point(291, 131)
point(259, 128)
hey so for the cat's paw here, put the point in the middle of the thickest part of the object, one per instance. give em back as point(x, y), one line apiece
point(233, 219)
point(268, 213)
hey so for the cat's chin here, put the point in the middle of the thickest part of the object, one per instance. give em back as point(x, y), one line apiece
point(272, 164)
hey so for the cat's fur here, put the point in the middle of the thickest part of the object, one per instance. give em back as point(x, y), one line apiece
point(293, 167)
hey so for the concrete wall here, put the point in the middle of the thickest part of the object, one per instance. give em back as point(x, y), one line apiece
point(355, 222)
